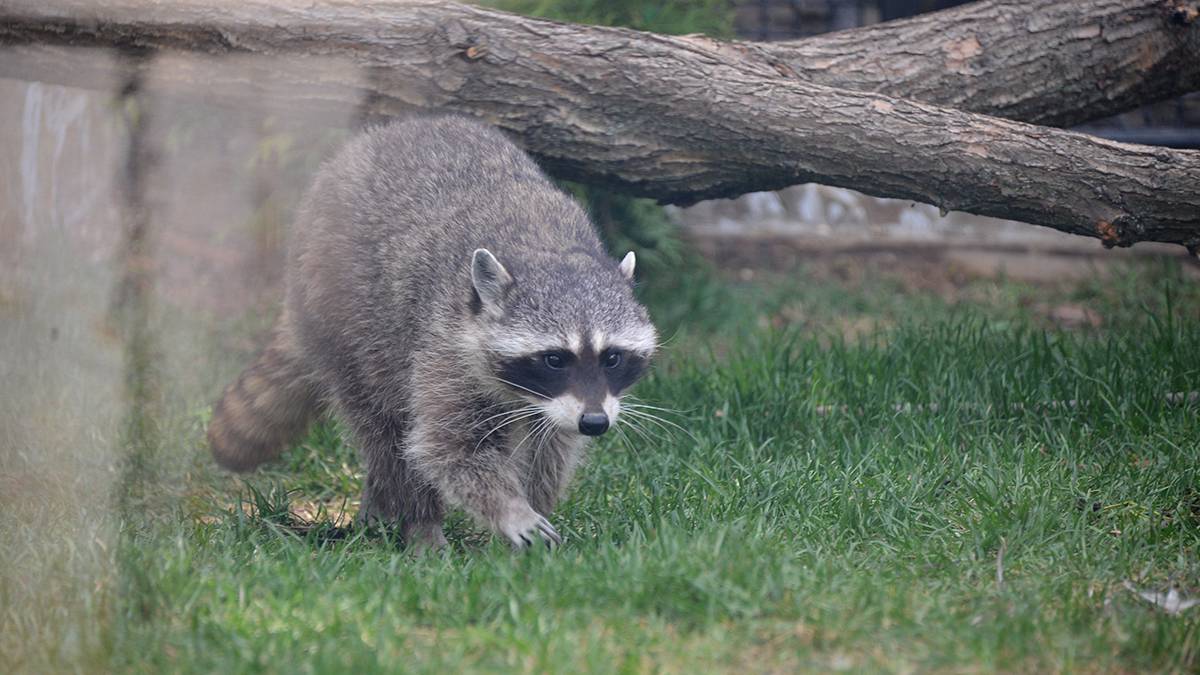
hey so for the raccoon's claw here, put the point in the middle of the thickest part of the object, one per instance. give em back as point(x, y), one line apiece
point(522, 530)
point(548, 532)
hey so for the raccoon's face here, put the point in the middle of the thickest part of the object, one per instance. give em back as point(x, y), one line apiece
point(580, 387)
point(572, 347)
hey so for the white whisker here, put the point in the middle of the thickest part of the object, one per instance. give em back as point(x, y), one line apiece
point(624, 437)
point(638, 402)
point(547, 432)
point(642, 406)
point(659, 421)
point(528, 408)
point(517, 386)
point(507, 422)
point(532, 430)
point(638, 429)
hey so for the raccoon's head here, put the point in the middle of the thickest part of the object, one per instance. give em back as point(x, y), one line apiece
point(564, 333)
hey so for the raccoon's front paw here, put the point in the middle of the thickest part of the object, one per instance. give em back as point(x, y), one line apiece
point(522, 525)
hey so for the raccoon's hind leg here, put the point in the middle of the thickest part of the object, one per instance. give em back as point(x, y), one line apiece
point(266, 408)
point(392, 491)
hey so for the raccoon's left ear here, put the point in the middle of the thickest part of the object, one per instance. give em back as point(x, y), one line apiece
point(626, 266)
point(490, 279)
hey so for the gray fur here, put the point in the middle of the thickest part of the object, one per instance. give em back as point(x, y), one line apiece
point(398, 319)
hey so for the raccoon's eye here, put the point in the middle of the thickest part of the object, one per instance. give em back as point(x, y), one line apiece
point(554, 361)
point(612, 359)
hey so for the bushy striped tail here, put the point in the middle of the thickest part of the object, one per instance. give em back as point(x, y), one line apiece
point(269, 405)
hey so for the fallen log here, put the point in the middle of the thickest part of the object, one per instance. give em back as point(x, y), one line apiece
point(673, 118)
point(1040, 61)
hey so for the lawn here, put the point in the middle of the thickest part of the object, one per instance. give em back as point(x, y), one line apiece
point(851, 476)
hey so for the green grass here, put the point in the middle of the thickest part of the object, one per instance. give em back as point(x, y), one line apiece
point(805, 524)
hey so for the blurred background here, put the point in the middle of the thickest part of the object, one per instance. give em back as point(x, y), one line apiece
point(195, 200)
point(141, 251)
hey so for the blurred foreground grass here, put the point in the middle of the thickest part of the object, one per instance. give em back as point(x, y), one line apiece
point(805, 521)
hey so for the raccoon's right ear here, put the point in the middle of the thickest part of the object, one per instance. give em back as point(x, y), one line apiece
point(626, 266)
point(490, 279)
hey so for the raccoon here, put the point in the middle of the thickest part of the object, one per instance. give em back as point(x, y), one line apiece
point(460, 314)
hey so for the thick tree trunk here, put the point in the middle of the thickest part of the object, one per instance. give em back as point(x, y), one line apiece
point(1041, 61)
point(678, 119)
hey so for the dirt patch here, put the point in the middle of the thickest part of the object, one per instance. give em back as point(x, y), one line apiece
point(940, 269)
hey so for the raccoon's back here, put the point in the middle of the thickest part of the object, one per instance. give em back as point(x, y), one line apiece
point(382, 243)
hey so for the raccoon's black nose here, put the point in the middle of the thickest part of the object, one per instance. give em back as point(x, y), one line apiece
point(593, 424)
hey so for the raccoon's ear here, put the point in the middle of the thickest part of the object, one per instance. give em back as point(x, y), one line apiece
point(627, 264)
point(490, 279)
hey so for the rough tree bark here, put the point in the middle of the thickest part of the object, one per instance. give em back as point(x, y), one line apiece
point(674, 118)
point(1041, 61)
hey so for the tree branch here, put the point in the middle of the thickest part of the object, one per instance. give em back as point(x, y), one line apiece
point(1040, 61)
point(666, 117)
